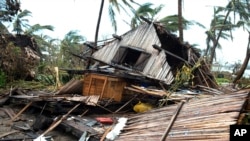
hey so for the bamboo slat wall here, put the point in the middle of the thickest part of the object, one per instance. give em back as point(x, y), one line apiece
point(143, 37)
point(205, 119)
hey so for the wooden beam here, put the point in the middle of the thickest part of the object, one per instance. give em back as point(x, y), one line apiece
point(146, 20)
point(170, 53)
point(117, 37)
point(90, 45)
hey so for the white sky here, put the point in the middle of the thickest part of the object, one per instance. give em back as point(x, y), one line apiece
point(66, 15)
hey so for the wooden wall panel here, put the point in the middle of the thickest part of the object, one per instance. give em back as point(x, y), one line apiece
point(104, 85)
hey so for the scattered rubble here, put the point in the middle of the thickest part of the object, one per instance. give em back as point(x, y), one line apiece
point(146, 70)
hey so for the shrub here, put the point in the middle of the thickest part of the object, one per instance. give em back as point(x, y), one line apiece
point(2, 79)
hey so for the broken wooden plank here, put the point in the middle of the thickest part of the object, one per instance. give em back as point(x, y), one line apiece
point(54, 125)
point(72, 87)
point(88, 100)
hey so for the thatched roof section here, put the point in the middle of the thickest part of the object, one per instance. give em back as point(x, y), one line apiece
point(204, 119)
point(171, 44)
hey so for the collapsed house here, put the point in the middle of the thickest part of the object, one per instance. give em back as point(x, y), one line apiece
point(146, 55)
point(147, 61)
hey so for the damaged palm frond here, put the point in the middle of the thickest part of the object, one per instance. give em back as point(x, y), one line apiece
point(183, 77)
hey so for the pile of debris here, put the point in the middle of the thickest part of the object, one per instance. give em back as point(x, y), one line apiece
point(145, 70)
point(77, 117)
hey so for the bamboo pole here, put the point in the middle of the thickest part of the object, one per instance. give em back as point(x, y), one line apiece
point(125, 104)
point(8, 133)
point(20, 112)
point(54, 125)
point(172, 121)
point(105, 133)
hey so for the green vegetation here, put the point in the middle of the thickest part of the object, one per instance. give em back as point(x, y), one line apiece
point(221, 81)
point(2, 79)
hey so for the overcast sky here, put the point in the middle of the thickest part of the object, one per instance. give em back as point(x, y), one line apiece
point(66, 15)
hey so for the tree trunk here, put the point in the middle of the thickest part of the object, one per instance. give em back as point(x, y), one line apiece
point(98, 22)
point(97, 30)
point(217, 41)
point(240, 73)
point(180, 24)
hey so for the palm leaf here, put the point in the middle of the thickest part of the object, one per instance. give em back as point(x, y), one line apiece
point(112, 17)
point(114, 3)
point(24, 13)
point(37, 28)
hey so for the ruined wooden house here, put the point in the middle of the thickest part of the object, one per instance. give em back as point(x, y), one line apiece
point(143, 56)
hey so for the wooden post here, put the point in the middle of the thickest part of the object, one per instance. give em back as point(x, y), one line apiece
point(103, 87)
point(58, 84)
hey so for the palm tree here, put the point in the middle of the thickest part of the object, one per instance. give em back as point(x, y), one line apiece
point(21, 22)
point(239, 7)
point(51, 49)
point(241, 71)
point(32, 30)
point(8, 9)
point(171, 23)
point(146, 11)
point(35, 31)
point(215, 27)
point(98, 22)
point(113, 4)
point(72, 43)
point(180, 21)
